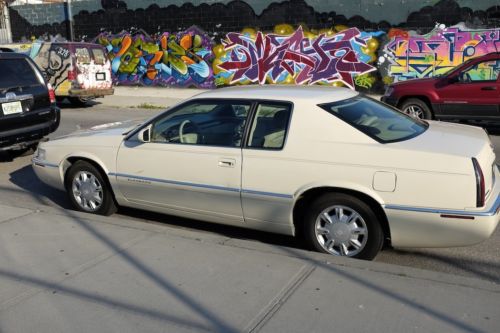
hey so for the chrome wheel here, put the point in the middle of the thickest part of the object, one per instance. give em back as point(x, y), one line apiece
point(414, 111)
point(87, 191)
point(341, 231)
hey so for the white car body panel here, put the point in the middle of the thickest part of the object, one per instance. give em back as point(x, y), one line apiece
point(415, 181)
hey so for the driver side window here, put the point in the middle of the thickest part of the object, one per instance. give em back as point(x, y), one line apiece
point(213, 123)
point(483, 71)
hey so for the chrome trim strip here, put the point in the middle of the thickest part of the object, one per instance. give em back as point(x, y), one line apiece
point(211, 187)
point(16, 98)
point(491, 212)
point(174, 182)
point(270, 194)
point(43, 163)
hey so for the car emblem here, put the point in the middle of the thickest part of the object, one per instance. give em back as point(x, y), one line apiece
point(10, 95)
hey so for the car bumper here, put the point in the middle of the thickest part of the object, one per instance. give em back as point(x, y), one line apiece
point(91, 92)
point(49, 173)
point(430, 227)
point(24, 136)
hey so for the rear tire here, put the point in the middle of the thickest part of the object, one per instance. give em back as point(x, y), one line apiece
point(343, 225)
point(79, 101)
point(417, 108)
point(88, 190)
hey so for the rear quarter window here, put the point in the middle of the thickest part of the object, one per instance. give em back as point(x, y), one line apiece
point(99, 56)
point(82, 55)
point(375, 119)
point(17, 73)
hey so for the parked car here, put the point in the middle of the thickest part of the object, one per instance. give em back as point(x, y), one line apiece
point(77, 71)
point(343, 170)
point(470, 91)
point(28, 111)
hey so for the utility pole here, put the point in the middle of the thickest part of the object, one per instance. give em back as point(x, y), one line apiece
point(5, 28)
point(69, 13)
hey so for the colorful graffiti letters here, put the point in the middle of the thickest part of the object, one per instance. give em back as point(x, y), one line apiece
point(295, 58)
point(179, 59)
point(415, 56)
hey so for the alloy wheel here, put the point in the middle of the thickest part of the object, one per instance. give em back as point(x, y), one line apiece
point(87, 191)
point(414, 111)
point(341, 231)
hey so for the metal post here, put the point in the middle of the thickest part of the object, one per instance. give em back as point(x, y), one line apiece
point(6, 17)
point(70, 20)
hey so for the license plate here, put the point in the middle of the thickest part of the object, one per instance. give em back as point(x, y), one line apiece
point(100, 76)
point(12, 108)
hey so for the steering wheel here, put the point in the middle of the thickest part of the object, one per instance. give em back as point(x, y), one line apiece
point(182, 137)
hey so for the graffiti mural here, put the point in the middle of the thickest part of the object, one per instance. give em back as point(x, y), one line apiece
point(87, 65)
point(297, 57)
point(408, 55)
point(180, 59)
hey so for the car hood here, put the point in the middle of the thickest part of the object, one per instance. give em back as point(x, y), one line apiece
point(417, 81)
point(119, 128)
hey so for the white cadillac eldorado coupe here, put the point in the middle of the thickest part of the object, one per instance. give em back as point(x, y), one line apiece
point(344, 171)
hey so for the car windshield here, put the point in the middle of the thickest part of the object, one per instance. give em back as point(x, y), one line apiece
point(375, 119)
point(17, 73)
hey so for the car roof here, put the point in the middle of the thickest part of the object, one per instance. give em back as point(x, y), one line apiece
point(12, 55)
point(314, 94)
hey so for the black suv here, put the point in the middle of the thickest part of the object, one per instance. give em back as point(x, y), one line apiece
point(27, 103)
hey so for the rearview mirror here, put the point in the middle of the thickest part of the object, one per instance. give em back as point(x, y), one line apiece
point(144, 135)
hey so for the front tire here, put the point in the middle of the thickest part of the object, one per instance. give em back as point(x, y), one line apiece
point(417, 108)
point(343, 225)
point(88, 190)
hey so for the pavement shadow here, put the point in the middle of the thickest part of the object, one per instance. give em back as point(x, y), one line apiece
point(26, 179)
point(483, 269)
point(217, 324)
point(384, 292)
point(65, 104)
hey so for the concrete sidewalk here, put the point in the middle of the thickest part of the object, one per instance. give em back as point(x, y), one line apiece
point(62, 271)
point(151, 97)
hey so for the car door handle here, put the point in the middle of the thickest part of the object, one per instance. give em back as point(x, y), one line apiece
point(489, 88)
point(227, 162)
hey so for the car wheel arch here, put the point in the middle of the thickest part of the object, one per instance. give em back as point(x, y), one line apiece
point(423, 98)
point(308, 196)
point(70, 160)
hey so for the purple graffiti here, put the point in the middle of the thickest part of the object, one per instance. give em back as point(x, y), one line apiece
point(322, 59)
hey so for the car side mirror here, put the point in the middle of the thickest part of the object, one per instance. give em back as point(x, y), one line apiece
point(144, 135)
point(454, 79)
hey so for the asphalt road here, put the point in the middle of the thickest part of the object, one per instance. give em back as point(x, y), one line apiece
point(20, 187)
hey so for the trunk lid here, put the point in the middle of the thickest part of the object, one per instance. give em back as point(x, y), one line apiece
point(458, 140)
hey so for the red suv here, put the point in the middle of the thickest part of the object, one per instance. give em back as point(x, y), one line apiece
point(470, 91)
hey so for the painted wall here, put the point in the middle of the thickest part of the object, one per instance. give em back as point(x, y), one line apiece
point(363, 44)
point(179, 59)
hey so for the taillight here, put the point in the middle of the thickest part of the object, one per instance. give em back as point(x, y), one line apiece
point(71, 75)
point(480, 191)
point(52, 94)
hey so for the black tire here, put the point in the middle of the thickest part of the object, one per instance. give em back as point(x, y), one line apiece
point(107, 205)
point(79, 101)
point(416, 104)
point(372, 239)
